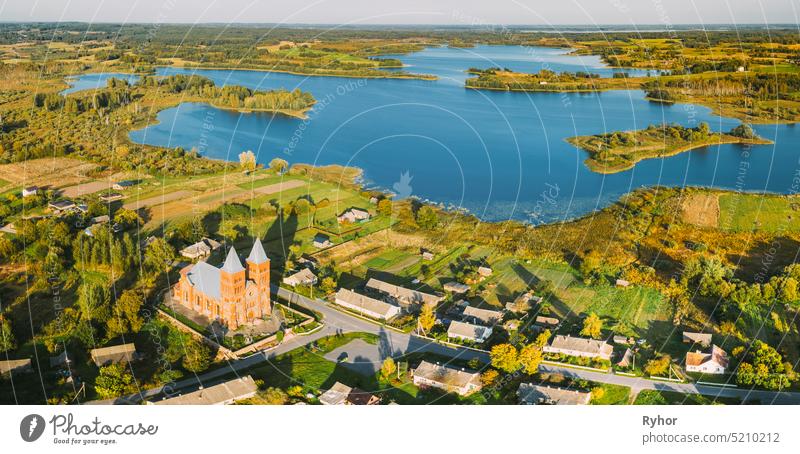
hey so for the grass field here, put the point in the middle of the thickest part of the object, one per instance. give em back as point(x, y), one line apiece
point(653, 397)
point(612, 395)
point(768, 213)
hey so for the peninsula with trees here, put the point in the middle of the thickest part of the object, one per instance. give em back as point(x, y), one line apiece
point(621, 150)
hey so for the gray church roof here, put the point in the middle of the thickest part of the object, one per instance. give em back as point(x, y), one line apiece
point(257, 254)
point(232, 263)
point(205, 278)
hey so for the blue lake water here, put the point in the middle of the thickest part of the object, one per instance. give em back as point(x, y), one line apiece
point(500, 155)
point(95, 81)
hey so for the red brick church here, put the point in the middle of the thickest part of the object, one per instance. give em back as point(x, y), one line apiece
point(233, 295)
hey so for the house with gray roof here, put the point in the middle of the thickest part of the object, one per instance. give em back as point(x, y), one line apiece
point(123, 353)
point(579, 346)
point(337, 395)
point(224, 393)
point(448, 378)
point(482, 316)
point(202, 248)
point(302, 277)
point(15, 366)
point(401, 295)
point(456, 287)
point(531, 394)
point(702, 339)
point(365, 305)
point(468, 331)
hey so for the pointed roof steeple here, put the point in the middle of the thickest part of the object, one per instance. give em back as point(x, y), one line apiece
point(232, 263)
point(257, 255)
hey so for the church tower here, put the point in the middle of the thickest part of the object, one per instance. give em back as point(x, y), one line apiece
point(258, 272)
point(232, 285)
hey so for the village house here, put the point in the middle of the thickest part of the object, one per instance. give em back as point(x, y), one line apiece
point(701, 339)
point(302, 277)
point(447, 378)
point(29, 191)
point(484, 271)
point(482, 316)
point(322, 241)
point(468, 331)
point(123, 185)
point(427, 255)
point(546, 322)
point(111, 197)
point(622, 340)
point(455, 287)
point(61, 205)
point(201, 249)
point(124, 353)
point(337, 395)
point(15, 366)
point(341, 394)
point(401, 295)
point(353, 215)
point(579, 346)
point(715, 362)
point(365, 305)
point(622, 283)
point(360, 397)
point(523, 303)
point(233, 295)
point(224, 393)
point(531, 394)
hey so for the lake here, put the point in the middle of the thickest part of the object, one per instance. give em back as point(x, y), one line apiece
point(499, 155)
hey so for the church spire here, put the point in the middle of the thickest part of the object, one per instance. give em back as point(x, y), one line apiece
point(232, 263)
point(257, 255)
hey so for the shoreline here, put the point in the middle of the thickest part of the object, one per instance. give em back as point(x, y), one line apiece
point(296, 73)
point(594, 166)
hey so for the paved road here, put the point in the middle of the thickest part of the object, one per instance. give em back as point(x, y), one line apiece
point(638, 384)
point(393, 343)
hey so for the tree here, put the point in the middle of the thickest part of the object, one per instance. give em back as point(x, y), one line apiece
point(127, 218)
point(489, 377)
point(658, 366)
point(427, 217)
point(278, 165)
point(542, 338)
point(125, 316)
point(530, 357)
point(592, 326)
point(158, 256)
point(590, 265)
point(196, 356)
point(504, 357)
point(247, 160)
point(328, 285)
point(388, 368)
point(114, 381)
point(427, 318)
point(385, 207)
point(7, 340)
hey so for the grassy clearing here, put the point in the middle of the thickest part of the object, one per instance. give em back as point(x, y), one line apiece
point(653, 397)
point(765, 213)
point(612, 395)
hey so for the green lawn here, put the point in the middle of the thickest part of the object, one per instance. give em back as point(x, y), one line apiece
point(653, 397)
point(768, 213)
point(612, 395)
